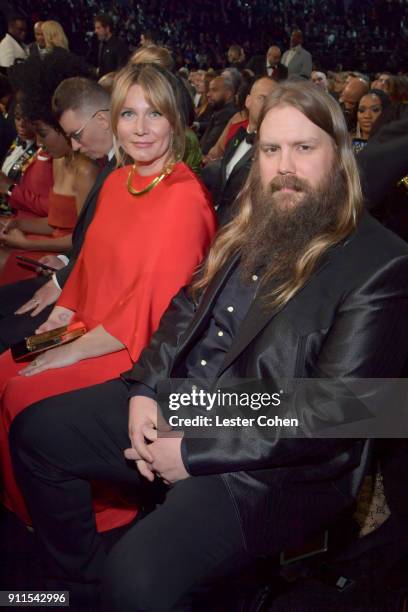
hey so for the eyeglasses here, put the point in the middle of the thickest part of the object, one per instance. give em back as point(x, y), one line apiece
point(78, 134)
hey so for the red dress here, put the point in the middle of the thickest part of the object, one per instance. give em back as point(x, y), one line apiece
point(62, 216)
point(30, 196)
point(138, 252)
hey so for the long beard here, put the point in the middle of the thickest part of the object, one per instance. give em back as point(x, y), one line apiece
point(283, 224)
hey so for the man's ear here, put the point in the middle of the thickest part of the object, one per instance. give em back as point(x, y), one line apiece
point(248, 102)
point(104, 120)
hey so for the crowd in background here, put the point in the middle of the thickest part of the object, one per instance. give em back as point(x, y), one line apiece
point(340, 34)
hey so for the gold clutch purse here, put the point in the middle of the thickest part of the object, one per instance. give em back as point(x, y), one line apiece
point(47, 340)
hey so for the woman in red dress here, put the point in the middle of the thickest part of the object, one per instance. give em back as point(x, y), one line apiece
point(153, 225)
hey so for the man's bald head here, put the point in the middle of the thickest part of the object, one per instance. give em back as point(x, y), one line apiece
point(273, 55)
point(354, 90)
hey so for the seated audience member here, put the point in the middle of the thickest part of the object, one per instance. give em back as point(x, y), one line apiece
point(162, 57)
point(383, 82)
point(225, 178)
point(354, 90)
point(153, 225)
point(297, 60)
point(112, 52)
point(236, 57)
point(75, 101)
point(54, 36)
point(204, 111)
point(148, 38)
point(73, 174)
point(369, 109)
point(12, 46)
point(270, 65)
point(302, 284)
point(7, 127)
point(383, 169)
point(199, 85)
point(38, 47)
point(220, 96)
point(339, 83)
point(319, 79)
point(18, 159)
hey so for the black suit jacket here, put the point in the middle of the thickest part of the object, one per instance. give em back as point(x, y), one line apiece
point(258, 66)
point(216, 125)
point(85, 217)
point(225, 190)
point(114, 55)
point(382, 164)
point(349, 320)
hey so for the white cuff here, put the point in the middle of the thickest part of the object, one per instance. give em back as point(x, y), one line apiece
point(54, 279)
point(64, 259)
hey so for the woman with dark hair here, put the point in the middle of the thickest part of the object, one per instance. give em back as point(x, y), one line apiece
point(73, 174)
point(369, 110)
point(153, 225)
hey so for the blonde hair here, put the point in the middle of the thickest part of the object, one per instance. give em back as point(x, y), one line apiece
point(153, 55)
point(322, 110)
point(160, 90)
point(54, 35)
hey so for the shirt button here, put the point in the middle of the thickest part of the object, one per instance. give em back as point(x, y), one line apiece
point(203, 362)
point(220, 333)
point(254, 277)
point(230, 309)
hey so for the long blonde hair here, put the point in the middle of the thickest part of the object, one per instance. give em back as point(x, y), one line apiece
point(54, 35)
point(159, 89)
point(322, 110)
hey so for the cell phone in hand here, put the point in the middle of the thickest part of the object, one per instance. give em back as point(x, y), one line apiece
point(37, 264)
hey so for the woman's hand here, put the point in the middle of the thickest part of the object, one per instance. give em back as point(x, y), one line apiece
point(5, 183)
point(43, 297)
point(59, 357)
point(14, 239)
point(59, 316)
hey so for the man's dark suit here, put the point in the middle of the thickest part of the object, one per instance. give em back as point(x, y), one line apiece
point(225, 190)
point(113, 55)
point(349, 320)
point(216, 125)
point(258, 66)
point(15, 327)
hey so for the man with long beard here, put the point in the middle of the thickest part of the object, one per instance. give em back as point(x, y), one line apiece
point(302, 284)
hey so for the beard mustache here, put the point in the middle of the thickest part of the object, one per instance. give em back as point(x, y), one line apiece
point(283, 223)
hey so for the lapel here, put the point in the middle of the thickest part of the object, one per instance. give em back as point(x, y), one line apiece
point(100, 179)
point(205, 307)
point(258, 316)
point(230, 152)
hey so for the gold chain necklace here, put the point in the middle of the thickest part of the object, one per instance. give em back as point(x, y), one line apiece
point(167, 170)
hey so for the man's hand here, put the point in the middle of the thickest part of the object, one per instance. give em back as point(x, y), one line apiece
point(14, 238)
point(50, 260)
point(142, 425)
point(166, 454)
point(59, 357)
point(44, 296)
point(59, 316)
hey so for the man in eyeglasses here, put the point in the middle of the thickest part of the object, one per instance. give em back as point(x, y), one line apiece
point(82, 108)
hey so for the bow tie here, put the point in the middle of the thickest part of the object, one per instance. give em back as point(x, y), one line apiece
point(250, 137)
